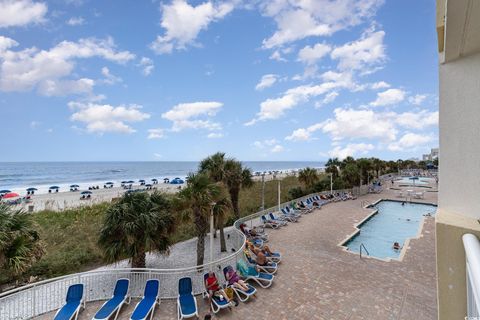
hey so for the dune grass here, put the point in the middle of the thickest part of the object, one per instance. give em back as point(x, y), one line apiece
point(70, 237)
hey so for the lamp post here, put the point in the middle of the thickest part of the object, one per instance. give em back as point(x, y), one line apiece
point(211, 232)
point(331, 183)
point(279, 200)
point(263, 191)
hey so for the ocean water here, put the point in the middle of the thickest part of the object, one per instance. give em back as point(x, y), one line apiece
point(17, 176)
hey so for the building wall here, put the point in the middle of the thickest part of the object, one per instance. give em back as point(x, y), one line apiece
point(459, 179)
point(459, 190)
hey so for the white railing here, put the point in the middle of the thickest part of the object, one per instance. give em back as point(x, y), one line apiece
point(472, 259)
point(48, 295)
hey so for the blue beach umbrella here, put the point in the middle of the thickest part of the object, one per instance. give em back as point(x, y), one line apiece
point(54, 187)
point(32, 189)
point(130, 181)
point(86, 192)
point(5, 191)
point(109, 182)
point(154, 180)
point(74, 186)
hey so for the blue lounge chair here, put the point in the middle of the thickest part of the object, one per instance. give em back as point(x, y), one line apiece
point(146, 306)
point(271, 268)
point(217, 303)
point(277, 220)
point(186, 302)
point(114, 305)
point(241, 294)
point(269, 224)
point(74, 302)
point(249, 272)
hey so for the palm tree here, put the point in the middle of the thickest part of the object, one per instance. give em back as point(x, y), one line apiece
point(197, 200)
point(365, 166)
point(214, 166)
point(332, 166)
point(236, 178)
point(20, 244)
point(221, 210)
point(351, 174)
point(308, 177)
point(136, 224)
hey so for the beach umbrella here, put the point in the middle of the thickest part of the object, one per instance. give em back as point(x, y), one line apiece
point(154, 179)
point(54, 187)
point(5, 191)
point(73, 186)
point(148, 185)
point(109, 182)
point(124, 182)
point(86, 192)
point(32, 189)
point(166, 179)
point(141, 180)
point(10, 195)
point(130, 181)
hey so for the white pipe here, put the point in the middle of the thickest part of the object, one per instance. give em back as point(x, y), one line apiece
point(472, 253)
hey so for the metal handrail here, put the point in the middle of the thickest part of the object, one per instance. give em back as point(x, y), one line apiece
point(472, 262)
point(364, 248)
point(47, 295)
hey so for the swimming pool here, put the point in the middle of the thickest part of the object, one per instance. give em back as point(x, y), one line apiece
point(407, 180)
point(393, 222)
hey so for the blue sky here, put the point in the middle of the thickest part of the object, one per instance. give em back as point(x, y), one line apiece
point(179, 80)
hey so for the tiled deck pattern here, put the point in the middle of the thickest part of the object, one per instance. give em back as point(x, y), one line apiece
point(318, 280)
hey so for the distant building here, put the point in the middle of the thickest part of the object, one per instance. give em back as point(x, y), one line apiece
point(431, 156)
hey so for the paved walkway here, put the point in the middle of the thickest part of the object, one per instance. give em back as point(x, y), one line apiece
point(318, 280)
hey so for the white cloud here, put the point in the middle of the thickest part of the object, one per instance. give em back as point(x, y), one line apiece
point(265, 143)
point(276, 55)
point(388, 97)
point(304, 134)
point(362, 54)
point(417, 99)
point(300, 19)
point(106, 118)
point(183, 22)
point(329, 98)
point(75, 21)
point(311, 55)
point(184, 115)
point(380, 85)
point(214, 135)
point(147, 66)
point(416, 120)
point(358, 124)
point(277, 148)
point(156, 133)
point(157, 155)
point(350, 149)
point(48, 70)
point(276, 107)
point(410, 141)
point(267, 81)
point(15, 13)
point(109, 77)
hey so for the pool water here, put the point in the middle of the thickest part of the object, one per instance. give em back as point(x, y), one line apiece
point(407, 180)
point(392, 223)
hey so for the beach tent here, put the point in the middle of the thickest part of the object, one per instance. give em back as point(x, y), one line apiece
point(10, 195)
point(177, 181)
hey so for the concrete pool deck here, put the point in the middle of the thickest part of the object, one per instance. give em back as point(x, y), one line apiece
point(318, 280)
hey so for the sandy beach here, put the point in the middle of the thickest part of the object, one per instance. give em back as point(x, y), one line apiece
point(58, 201)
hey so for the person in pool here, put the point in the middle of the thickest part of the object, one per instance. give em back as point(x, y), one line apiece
point(396, 246)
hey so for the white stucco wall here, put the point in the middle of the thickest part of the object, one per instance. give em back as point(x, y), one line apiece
point(459, 174)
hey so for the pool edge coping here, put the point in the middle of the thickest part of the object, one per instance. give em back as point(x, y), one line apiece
point(406, 245)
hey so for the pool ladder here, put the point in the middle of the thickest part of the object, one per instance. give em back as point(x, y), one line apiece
point(362, 246)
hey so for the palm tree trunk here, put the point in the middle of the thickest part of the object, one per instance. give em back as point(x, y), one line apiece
point(200, 249)
point(223, 244)
point(234, 199)
point(138, 260)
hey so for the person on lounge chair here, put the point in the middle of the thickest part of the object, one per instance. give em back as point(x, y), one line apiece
point(265, 249)
point(214, 289)
point(261, 258)
point(234, 280)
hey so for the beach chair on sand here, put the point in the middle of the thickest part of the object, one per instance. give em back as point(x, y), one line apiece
point(248, 272)
point(74, 302)
point(146, 306)
point(217, 303)
point(241, 294)
point(268, 224)
point(288, 217)
point(113, 306)
point(186, 302)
